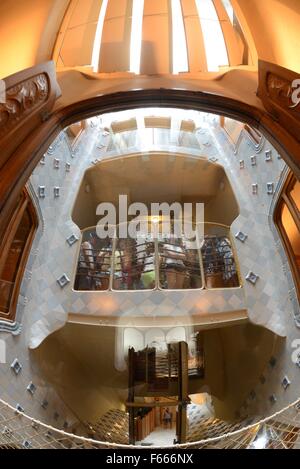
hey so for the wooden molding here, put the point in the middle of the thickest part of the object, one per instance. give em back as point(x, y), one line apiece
point(37, 126)
point(285, 200)
point(30, 97)
point(275, 90)
point(5, 245)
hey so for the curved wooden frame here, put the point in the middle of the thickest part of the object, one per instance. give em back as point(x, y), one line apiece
point(28, 134)
point(24, 204)
point(15, 173)
point(285, 200)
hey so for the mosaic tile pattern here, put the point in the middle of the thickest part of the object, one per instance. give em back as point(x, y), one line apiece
point(27, 389)
point(273, 302)
point(44, 305)
point(265, 301)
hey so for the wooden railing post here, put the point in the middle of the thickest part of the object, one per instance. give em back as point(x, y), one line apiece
point(130, 409)
point(183, 391)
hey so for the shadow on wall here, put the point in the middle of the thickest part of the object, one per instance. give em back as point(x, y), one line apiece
point(79, 364)
point(247, 351)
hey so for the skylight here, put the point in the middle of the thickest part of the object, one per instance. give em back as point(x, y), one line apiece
point(136, 35)
point(180, 58)
point(98, 37)
point(229, 10)
point(216, 52)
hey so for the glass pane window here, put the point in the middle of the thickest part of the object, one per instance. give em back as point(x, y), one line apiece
point(219, 264)
point(216, 52)
point(292, 233)
point(157, 259)
point(179, 264)
point(295, 195)
point(134, 264)
point(287, 217)
point(94, 264)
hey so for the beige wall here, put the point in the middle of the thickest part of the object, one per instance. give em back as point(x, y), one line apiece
point(79, 361)
point(155, 58)
point(114, 54)
point(235, 358)
point(80, 365)
point(29, 29)
point(274, 25)
point(28, 32)
point(223, 208)
point(84, 211)
point(247, 350)
point(214, 381)
point(185, 180)
point(77, 34)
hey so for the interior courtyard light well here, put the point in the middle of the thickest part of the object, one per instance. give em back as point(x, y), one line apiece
point(149, 225)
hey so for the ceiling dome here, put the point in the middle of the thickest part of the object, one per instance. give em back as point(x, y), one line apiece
point(153, 36)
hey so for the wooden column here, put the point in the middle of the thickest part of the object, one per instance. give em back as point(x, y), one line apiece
point(183, 396)
point(130, 409)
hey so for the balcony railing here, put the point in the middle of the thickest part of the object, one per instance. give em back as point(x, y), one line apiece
point(157, 262)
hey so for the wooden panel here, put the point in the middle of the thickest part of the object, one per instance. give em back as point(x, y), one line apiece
point(30, 96)
point(153, 122)
point(156, 39)
point(276, 92)
point(115, 46)
point(79, 33)
point(14, 250)
point(85, 11)
point(194, 37)
point(123, 126)
point(188, 126)
point(78, 45)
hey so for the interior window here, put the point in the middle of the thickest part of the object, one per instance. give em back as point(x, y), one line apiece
point(134, 264)
point(295, 195)
point(292, 233)
point(219, 263)
point(179, 264)
point(14, 253)
point(287, 217)
point(94, 263)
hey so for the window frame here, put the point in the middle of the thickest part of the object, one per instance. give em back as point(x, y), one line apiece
point(25, 203)
point(286, 200)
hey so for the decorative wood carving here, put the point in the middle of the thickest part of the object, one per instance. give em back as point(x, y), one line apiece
point(279, 90)
point(22, 100)
point(30, 97)
point(276, 92)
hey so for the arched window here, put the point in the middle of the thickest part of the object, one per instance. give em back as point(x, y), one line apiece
point(287, 218)
point(14, 251)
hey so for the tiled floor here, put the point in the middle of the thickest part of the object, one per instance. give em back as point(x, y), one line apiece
point(160, 437)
